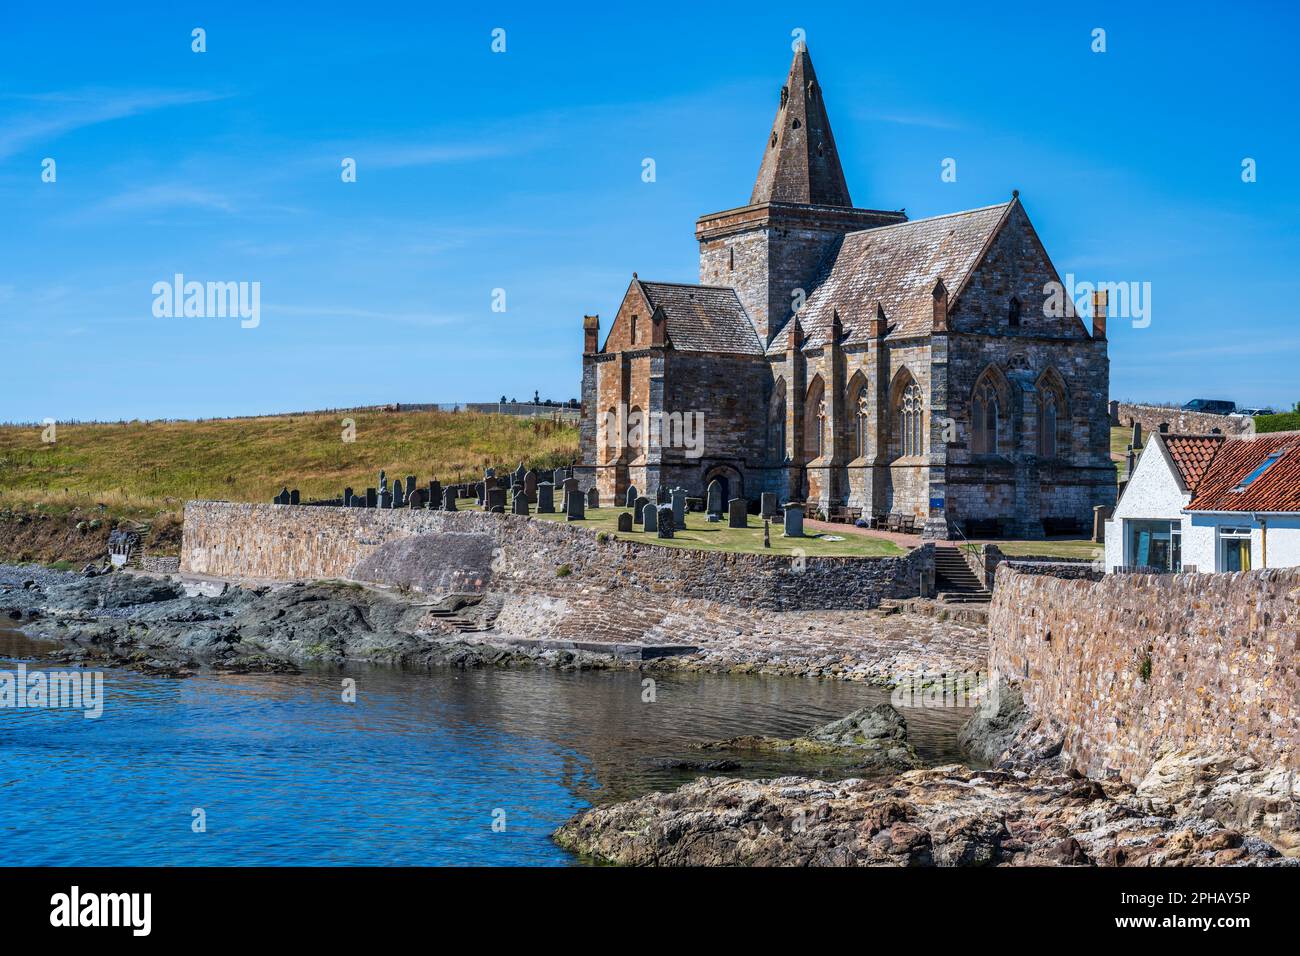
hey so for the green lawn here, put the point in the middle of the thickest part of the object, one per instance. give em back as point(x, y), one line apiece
point(1082, 548)
point(1119, 441)
point(700, 535)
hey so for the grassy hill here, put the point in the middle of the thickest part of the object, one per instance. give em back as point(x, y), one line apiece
point(55, 498)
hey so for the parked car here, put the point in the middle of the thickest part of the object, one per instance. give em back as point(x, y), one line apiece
point(1211, 406)
point(1252, 412)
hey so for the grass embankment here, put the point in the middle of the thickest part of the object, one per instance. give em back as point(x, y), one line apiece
point(102, 474)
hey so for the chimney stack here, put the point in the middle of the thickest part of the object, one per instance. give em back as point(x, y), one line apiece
point(1100, 301)
point(590, 334)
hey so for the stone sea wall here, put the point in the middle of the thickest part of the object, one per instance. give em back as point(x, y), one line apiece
point(1134, 666)
point(466, 552)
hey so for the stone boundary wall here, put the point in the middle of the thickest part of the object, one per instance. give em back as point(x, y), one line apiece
point(1180, 422)
point(471, 552)
point(1135, 666)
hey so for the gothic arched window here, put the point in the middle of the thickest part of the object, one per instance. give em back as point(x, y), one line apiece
point(910, 422)
point(1047, 419)
point(1013, 313)
point(814, 420)
point(776, 421)
point(984, 421)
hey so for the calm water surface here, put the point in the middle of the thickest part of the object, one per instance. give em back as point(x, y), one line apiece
point(412, 773)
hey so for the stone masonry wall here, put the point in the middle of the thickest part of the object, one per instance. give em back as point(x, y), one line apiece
point(1134, 666)
point(472, 552)
point(1179, 421)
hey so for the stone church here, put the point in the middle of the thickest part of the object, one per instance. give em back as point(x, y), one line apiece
point(854, 359)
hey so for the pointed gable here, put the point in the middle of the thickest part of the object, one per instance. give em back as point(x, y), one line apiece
point(896, 267)
point(800, 163)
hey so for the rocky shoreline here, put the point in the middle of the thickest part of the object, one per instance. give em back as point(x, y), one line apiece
point(159, 625)
point(1029, 809)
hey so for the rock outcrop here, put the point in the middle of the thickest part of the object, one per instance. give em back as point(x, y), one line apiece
point(945, 816)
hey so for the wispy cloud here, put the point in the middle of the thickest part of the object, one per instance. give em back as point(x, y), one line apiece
point(60, 113)
point(164, 196)
point(928, 121)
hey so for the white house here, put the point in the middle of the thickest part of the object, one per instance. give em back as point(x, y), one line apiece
point(1209, 503)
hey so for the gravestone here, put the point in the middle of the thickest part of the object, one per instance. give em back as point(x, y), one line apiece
point(767, 504)
point(661, 495)
point(530, 487)
point(372, 498)
point(490, 473)
point(385, 498)
point(630, 499)
point(1137, 434)
point(593, 499)
point(503, 482)
point(399, 495)
point(573, 510)
point(713, 502)
point(767, 532)
point(496, 500)
point(546, 498)
point(679, 508)
point(638, 507)
point(520, 472)
point(736, 509)
point(480, 488)
point(347, 497)
point(449, 500)
point(794, 520)
point(557, 478)
point(410, 486)
point(293, 497)
point(520, 503)
point(435, 495)
point(650, 515)
point(570, 489)
point(664, 521)
point(624, 521)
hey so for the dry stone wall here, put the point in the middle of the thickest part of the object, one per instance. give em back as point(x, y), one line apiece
point(471, 552)
point(1134, 666)
point(1180, 422)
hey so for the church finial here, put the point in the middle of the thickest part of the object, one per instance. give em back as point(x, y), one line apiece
point(800, 163)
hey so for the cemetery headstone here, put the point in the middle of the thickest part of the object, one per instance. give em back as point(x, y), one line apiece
point(794, 520)
point(767, 504)
point(546, 498)
point(530, 487)
point(664, 521)
point(736, 509)
point(679, 508)
point(650, 516)
point(574, 510)
point(496, 500)
point(372, 498)
point(632, 495)
point(624, 521)
point(449, 500)
point(713, 503)
point(593, 499)
point(638, 506)
point(520, 503)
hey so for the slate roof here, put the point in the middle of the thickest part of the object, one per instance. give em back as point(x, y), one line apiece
point(703, 318)
point(1191, 455)
point(1277, 489)
point(896, 266)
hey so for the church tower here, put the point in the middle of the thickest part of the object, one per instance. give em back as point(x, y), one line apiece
point(799, 208)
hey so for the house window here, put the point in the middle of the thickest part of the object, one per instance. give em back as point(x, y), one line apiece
point(1047, 426)
point(1234, 549)
point(634, 330)
point(1155, 545)
point(984, 421)
point(731, 258)
point(909, 421)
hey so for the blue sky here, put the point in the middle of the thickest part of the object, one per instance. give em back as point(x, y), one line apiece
point(522, 171)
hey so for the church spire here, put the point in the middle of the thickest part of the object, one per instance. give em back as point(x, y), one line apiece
point(800, 162)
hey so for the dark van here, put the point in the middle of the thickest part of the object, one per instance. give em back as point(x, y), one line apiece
point(1211, 406)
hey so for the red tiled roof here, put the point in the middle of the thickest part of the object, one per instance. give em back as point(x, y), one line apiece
point(1277, 489)
point(1191, 455)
